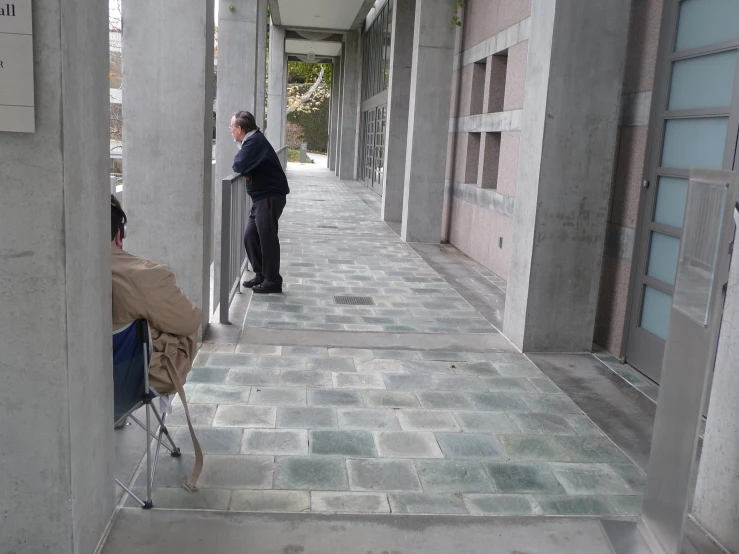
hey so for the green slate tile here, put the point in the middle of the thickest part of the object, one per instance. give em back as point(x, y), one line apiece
point(592, 449)
point(575, 506)
point(531, 477)
point(533, 447)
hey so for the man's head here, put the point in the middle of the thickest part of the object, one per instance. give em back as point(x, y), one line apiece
point(242, 123)
point(117, 222)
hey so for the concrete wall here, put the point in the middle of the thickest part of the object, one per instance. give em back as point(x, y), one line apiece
point(577, 54)
point(626, 190)
point(396, 140)
point(351, 76)
point(238, 79)
point(56, 451)
point(481, 173)
point(716, 502)
point(167, 105)
point(277, 93)
point(430, 98)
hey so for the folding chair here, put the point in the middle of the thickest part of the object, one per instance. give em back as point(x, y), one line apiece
point(132, 351)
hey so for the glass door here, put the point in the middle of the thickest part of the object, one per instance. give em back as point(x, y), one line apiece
point(369, 146)
point(695, 123)
point(379, 152)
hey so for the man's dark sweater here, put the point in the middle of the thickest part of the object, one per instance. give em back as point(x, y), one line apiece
point(258, 160)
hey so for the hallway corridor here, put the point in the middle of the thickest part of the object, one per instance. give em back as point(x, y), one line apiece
point(412, 405)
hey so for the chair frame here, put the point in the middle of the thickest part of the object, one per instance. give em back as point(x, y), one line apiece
point(143, 336)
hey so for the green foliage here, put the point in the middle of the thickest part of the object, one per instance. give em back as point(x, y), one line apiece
point(304, 72)
point(458, 5)
point(293, 155)
point(231, 8)
point(314, 125)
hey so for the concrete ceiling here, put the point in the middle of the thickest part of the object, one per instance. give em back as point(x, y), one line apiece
point(338, 15)
point(320, 49)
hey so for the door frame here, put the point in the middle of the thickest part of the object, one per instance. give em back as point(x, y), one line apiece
point(654, 354)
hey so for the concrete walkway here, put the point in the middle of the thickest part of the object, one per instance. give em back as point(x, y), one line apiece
point(412, 404)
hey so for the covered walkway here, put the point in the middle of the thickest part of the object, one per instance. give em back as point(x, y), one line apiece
point(415, 404)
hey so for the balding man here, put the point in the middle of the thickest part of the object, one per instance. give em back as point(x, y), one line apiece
point(268, 189)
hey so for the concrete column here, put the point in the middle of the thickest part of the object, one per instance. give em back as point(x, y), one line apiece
point(238, 78)
point(716, 502)
point(168, 109)
point(339, 97)
point(401, 63)
point(261, 84)
point(351, 76)
point(335, 73)
point(56, 388)
point(277, 93)
point(574, 73)
point(428, 121)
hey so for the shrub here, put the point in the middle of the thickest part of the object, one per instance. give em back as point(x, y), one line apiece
point(295, 134)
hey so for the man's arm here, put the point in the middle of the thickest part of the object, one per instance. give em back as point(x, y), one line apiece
point(166, 306)
point(248, 158)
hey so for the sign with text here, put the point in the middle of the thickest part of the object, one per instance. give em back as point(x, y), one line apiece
point(16, 67)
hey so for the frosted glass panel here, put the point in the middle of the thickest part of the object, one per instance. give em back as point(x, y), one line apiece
point(671, 195)
point(704, 82)
point(697, 142)
point(663, 254)
point(704, 22)
point(655, 315)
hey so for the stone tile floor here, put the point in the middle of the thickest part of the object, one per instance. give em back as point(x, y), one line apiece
point(334, 244)
point(289, 428)
point(339, 430)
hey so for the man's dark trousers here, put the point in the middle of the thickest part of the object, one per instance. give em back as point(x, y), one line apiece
point(261, 242)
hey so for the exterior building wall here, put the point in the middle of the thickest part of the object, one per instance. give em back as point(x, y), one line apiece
point(490, 73)
point(477, 219)
point(613, 302)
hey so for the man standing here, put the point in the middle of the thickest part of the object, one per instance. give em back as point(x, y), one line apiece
point(267, 187)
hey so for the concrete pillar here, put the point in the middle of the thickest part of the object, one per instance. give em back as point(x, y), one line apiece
point(334, 108)
point(574, 73)
point(428, 121)
point(351, 76)
point(238, 78)
point(396, 142)
point(56, 388)
point(716, 502)
point(168, 109)
point(277, 93)
point(261, 84)
point(339, 97)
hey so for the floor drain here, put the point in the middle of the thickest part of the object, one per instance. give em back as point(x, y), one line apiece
point(354, 300)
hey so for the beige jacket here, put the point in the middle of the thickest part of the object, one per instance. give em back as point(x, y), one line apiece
point(142, 288)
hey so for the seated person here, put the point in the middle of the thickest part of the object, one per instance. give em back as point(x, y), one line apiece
point(146, 289)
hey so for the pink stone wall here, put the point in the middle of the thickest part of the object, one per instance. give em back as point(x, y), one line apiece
point(484, 18)
point(516, 76)
point(641, 59)
point(476, 232)
point(474, 229)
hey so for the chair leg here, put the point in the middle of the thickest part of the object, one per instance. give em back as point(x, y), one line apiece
point(174, 451)
point(148, 504)
point(153, 435)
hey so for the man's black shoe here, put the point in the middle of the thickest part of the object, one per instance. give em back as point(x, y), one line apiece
point(261, 289)
point(251, 283)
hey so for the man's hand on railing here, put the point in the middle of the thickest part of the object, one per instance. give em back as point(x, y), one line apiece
point(247, 177)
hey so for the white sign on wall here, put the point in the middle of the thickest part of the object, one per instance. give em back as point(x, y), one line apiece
point(16, 67)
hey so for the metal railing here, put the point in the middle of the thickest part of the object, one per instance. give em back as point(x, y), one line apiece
point(234, 215)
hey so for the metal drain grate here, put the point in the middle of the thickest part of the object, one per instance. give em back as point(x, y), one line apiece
point(354, 300)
